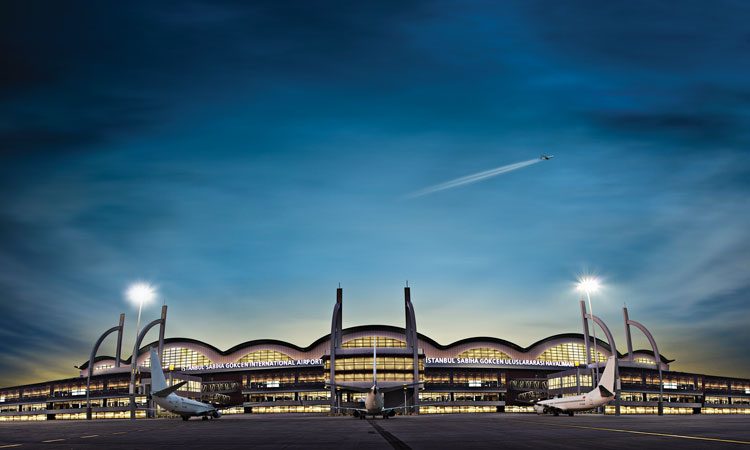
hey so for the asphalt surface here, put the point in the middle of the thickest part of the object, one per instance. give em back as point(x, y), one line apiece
point(416, 432)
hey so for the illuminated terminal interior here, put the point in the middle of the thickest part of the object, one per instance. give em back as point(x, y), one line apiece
point(473, 375)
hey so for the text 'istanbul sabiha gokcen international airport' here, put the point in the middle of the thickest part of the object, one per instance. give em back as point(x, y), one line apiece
point(473, 375)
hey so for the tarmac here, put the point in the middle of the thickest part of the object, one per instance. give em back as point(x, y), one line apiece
point(291, 431)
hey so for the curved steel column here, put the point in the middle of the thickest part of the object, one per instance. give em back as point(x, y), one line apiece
point(412, 341)
point(657, 356)
point(613, 348)
point(335, 340)
point(118, 328)
point(584, 317)
point(134, 358)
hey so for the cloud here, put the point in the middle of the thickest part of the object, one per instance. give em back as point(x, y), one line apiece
point(231, 150)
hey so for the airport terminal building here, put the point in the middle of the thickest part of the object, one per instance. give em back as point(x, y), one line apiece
point(476, 374)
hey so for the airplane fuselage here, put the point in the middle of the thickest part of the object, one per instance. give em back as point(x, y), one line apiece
point(374, 402)
point(602, 394)
point(184, 406)
point(575, 403)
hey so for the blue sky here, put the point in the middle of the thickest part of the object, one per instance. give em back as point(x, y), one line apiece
point(246, 158)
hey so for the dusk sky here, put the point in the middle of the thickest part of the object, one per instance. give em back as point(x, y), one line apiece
point(246, 157)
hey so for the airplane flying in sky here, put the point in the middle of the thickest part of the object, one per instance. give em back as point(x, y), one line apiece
point(166, 397)
point(374, 401)
point(599, 396)
point(546, 157)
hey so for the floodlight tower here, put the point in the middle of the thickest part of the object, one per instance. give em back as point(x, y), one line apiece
point(589, 285)
point(139, 293)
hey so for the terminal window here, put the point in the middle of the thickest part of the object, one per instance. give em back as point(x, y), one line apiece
point(265, 356)
point(484, 352)
point(569, 352)
point(372, 341)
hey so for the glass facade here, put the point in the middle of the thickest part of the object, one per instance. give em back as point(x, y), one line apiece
point(716, 385)
point(177, 358)
point(456, 409)
point(433, 397)
point(435, 376)
point(276, 378)
point(569, 381)
point(264, 356)
point(570, 352)
point(484, 352)
point(372, 341)
point(23, 418)
point(647, 410)
point(291, 409)
point(478, 378)
point(646, 361)
point(359, 368)
point(631, 378)
point(725, 411)
point(103, 367)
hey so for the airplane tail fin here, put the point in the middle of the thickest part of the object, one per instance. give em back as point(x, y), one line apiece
point(607, 382)
point(375, 364)
point(158, 382)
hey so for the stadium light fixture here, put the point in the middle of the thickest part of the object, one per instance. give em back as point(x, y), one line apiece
point(139, 293)
point(587, 285)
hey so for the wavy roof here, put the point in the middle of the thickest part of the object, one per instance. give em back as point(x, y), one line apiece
point(373, 328)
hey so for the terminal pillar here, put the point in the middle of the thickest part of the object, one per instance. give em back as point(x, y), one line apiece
point(584, 315)
point(412, 342)
point(162, 322)
point(654, 348)
point(335, 339)
point(92, 357)
point(613, 349)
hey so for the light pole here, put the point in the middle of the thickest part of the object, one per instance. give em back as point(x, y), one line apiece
point(589, 285)
point(139, 293)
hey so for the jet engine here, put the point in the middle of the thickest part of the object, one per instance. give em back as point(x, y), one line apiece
point(216, 414)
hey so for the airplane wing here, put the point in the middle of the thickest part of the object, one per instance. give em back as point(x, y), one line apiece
point(169, 390)
point(403, 386)
point(401, 408)
point(346, 408)
point(350, 387)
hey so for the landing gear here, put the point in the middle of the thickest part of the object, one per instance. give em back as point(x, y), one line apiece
point(185, 418)
point(570, 413)
point(385, 416)
point(555, 413)
point(205, 417)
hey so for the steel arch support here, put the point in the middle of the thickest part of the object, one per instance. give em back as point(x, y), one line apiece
point(613, 348)
point(119, 328)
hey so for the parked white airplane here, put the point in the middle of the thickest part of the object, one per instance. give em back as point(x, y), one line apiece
point(374, 401)
point(599, 396)
point(166, 397)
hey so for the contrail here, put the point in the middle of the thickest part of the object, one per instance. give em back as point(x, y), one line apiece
point(468, 179)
